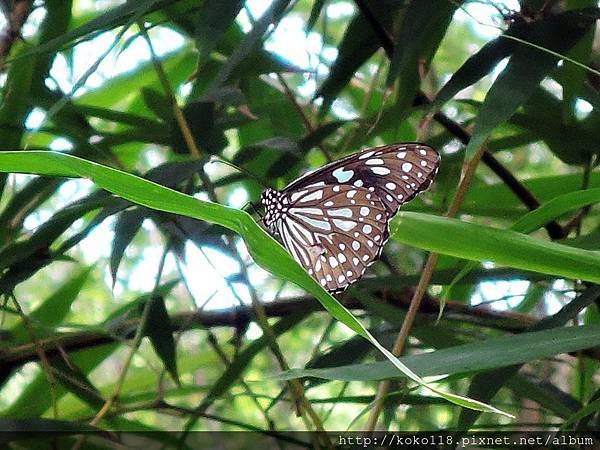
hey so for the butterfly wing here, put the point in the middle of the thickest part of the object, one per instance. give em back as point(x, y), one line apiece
point(397, 173)
point(335, 232)
point(334, 221)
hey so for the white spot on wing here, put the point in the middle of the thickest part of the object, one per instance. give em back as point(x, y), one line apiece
point(374, 162)
point(367, 229)
point(315, 211)
point(366, 155)
point(296, 195)
point(381, 170)
point(358, 183)
point(364, 211)
point(406, 166)
point(345, 225)
point(342, 175)
point(343, 212)
point(401, 155)
point(317, 195)
point(390, 186)
point(320, 224)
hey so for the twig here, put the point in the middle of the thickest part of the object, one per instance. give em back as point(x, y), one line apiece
point(16, 19)
point(13, 357)
point(307, 123)
point(190, 142)
point(40, 352)
point(421, 289)
point(137, 340)
point(553, 228)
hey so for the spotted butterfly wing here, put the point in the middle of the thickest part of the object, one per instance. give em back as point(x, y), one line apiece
point(334, 221)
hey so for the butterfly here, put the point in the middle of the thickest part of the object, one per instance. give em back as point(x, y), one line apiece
point(334, 220)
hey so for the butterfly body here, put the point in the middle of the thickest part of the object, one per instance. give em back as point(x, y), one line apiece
point(334, 221)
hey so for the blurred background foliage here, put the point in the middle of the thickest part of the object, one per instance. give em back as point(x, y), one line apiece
point(277, 88)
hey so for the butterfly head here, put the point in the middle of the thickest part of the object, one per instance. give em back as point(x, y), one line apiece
point(272, 202)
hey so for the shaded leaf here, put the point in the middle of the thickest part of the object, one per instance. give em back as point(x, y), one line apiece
point(478, 66)
point(126, 227)
point(18, 429)
point(76, 381)
point(159, 330)
point(358, 44)
point(491, 353)
point(214, 19)
point(423, 26)
point(526, 69)
point(485, 386)
point(53, 309)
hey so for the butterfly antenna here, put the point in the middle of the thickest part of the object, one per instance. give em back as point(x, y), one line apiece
point(218, 159)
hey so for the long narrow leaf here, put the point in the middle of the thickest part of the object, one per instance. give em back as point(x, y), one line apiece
point(479, 243)
point(265, 250)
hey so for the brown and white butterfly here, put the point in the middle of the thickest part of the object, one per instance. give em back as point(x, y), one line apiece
point(334, 220)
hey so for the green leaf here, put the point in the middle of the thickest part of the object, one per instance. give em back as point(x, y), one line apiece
point(238, 366)
point(508, 248)
point(126, 228)
point(475, 68)
point(555, 208)
point(484, 386)
point(53, 309)
point(526, 69)
point(263, 249)
point(358, 44)
point(159, 330)
point(214, 19)
point(491, 353)
point(423, 26)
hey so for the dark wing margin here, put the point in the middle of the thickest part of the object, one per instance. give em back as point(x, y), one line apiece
point(398, 172)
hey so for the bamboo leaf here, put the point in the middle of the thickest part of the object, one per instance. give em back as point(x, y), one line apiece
point(264, 249)
point(508, 248)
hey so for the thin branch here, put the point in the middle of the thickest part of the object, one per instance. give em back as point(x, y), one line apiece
point(12, 31)
point(555, 231)
point(239, 316)
point(421, 290)
point(137, 340)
